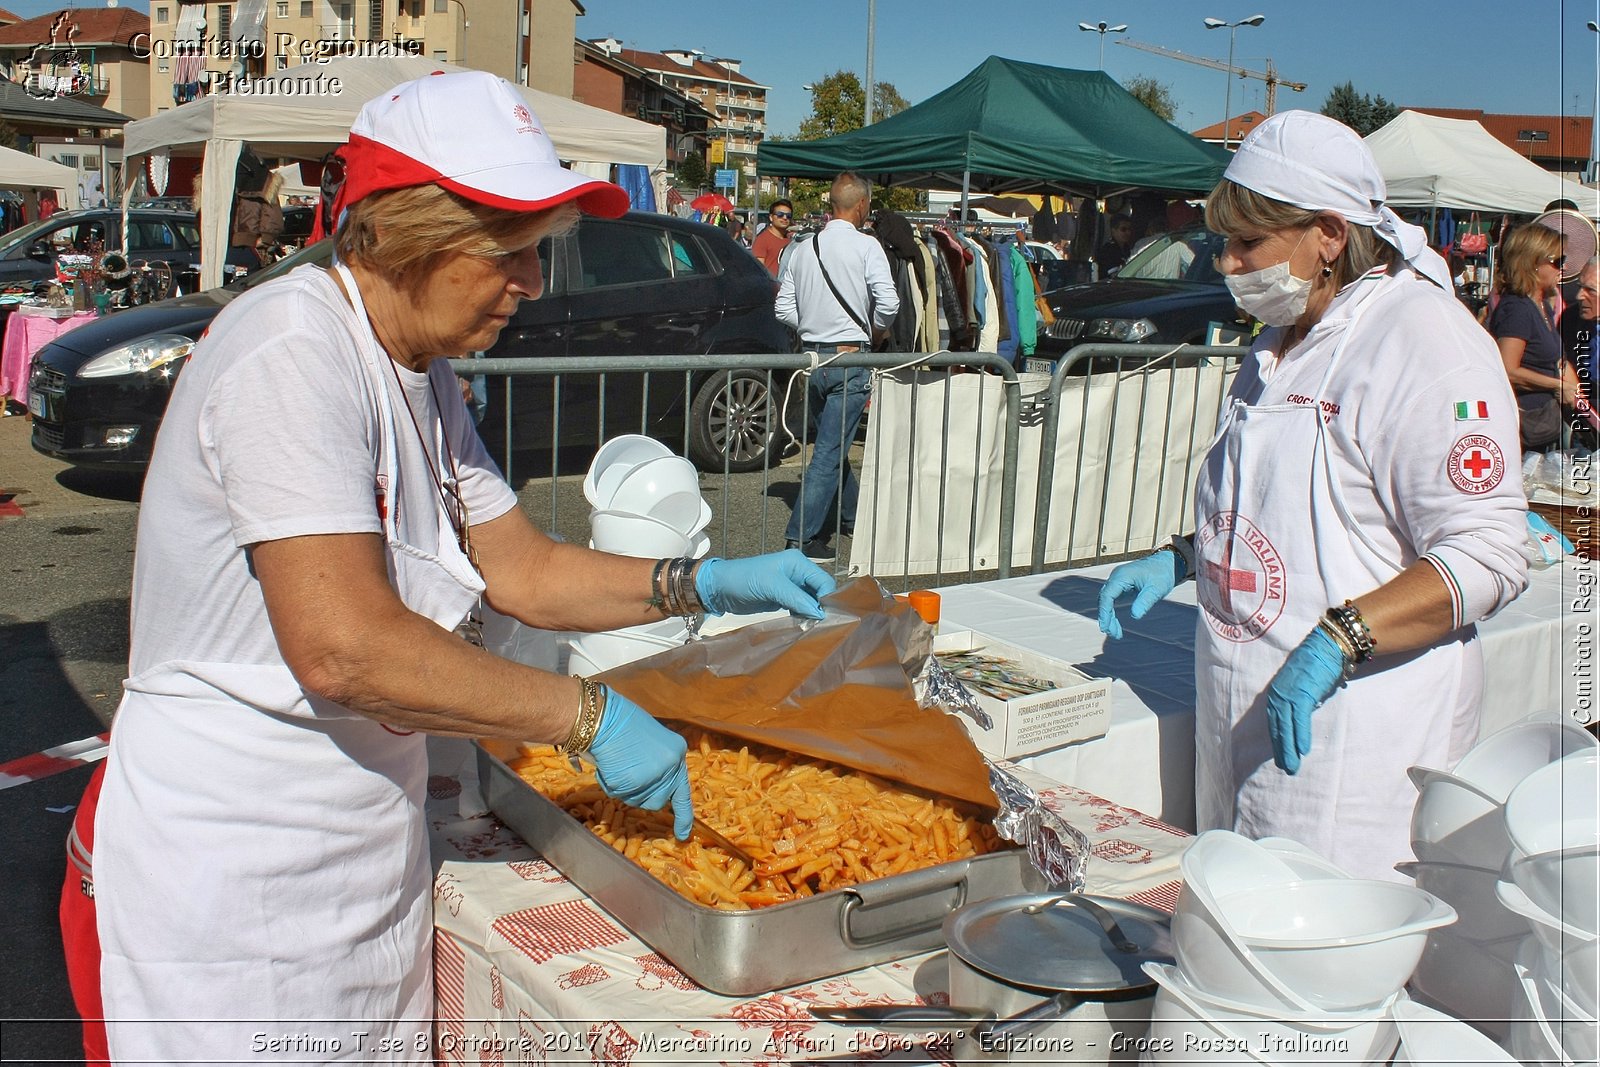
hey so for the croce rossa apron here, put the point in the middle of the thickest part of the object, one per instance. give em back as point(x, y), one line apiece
point(1275, 546)
point(261, 867)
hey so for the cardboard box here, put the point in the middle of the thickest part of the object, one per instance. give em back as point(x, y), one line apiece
point(1077, 709)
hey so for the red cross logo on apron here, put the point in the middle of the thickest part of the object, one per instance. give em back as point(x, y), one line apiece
point(1241, 577)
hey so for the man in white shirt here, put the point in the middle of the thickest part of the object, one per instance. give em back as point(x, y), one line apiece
point(838, 292)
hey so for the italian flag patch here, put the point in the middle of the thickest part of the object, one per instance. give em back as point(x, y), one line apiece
point(1472, 410)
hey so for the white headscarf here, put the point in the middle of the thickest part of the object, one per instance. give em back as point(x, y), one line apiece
point(1320, 164)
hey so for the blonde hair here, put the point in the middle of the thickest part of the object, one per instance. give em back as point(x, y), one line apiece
point(1232, 209)
point(402, 234)
point(1520, 256)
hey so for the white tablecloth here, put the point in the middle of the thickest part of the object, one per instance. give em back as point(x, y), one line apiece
point(1539, 655)
point(529, 970)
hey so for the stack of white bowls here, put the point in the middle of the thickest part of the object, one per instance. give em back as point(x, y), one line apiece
point(1553, 883)
point(1280, 957)
point(646, 503)
point(1459, 835)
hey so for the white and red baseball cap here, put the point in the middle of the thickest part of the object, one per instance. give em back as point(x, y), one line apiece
point(473, 134)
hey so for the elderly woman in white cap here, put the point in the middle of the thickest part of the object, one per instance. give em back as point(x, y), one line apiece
point(318, 518)
point(1360, 510)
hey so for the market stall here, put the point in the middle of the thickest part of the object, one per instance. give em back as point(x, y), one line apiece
point(282, 117)
point(24, 173)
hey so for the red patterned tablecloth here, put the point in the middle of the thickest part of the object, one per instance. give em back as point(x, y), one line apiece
point(528, 969)
point(25, 335)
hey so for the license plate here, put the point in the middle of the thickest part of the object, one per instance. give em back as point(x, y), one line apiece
point(1038, 366)
point(36, 405)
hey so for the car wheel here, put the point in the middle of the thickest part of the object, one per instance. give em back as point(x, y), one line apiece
point(733, 420)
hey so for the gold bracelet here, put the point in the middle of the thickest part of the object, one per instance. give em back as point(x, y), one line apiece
point(587, 724)
point(1342, 641)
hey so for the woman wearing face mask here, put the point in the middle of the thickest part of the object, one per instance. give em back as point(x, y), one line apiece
point(1359, 511)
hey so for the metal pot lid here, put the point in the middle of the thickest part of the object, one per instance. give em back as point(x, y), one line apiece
point(1060, 941)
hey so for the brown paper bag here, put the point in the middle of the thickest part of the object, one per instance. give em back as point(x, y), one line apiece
point(838, 690)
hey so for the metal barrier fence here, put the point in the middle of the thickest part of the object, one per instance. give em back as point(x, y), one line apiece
point(959, 501)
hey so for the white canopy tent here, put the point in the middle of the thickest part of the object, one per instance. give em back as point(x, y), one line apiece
point(23, 172)
point(295, 115)
point(1429, 161)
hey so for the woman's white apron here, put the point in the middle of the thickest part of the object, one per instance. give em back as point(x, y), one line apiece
point(1276, 546)
point(261, 862)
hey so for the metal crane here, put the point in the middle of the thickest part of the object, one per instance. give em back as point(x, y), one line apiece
point(1270, 77)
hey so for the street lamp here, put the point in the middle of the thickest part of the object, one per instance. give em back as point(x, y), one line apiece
point(872, 32)
point(1102, 29)
point(1227, 97)
point(1594, 123)
point(461, 42)
point(727, 115)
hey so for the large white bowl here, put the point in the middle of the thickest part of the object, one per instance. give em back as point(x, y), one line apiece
point(643, 488)
point(1499, 762)
point(1466, 980)
point(1430, 1038)
point(613, 460)
point(688, 513)
point(1455, 821)
point(627, 534)
point(1565, 883)
point(1470, 890)
point(1571, 953)
point(606, 650)
point(1190, 1025)
point(1340, 943)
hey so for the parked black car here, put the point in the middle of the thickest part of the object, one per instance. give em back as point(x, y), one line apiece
point(28, 253)
point(642, 284)
point(1169, 292)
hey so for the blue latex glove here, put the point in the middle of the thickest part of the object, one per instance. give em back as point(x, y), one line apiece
point(1309, 677)
point(764, 583)
point(1151, 577)
point(640, 762)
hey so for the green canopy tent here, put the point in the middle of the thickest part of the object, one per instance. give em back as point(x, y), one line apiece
point(1014, 127)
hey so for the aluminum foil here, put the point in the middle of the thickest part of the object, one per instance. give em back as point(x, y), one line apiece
point(1056, 849)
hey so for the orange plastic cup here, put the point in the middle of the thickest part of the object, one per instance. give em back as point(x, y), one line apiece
point(926, 604)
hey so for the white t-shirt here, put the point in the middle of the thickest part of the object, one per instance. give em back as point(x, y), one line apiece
point(274, 431)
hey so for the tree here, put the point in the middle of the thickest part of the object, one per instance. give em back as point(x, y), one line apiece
point(692, 171)
point(1358, 111)
point(1154, 95)
point(839, 105)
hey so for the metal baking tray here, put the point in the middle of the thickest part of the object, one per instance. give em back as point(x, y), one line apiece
point(744, 953)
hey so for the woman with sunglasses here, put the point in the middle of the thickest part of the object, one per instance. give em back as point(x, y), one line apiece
point(1359, 511)
point(319, 519)
point(1523, 324)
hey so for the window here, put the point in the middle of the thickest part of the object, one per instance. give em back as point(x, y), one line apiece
point(161, 14)
point(375, 20)
point(441, 56)
point(305, 8)
point(224, 21)
point(416, 9)
point(441, 6)
point(283, 9)
point(687, 256)
point(163, 66)
point(147, 236)
point(189, 232)
point(615, 254)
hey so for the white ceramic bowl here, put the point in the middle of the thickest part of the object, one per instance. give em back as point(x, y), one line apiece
point(1470, 890)
point(1499, 762)
point(635, 535)
point(687, 513)
point(1454, 821)
point(607, 650)
point(1557, 806)
point(1565, 883)
point(1571, 953)
point(1190, 1025)
point(647, 485)
point(1301, 860)
point(1342, 944)
point(1430, 1038)
point(613, 460)
point(1466, 980)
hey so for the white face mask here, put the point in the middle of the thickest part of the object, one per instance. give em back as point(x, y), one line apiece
point(1272, 294)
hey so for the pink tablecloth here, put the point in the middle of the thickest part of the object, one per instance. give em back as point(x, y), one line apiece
point(25, 335)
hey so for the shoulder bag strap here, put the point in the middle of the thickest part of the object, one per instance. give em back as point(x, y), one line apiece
point(816, 246)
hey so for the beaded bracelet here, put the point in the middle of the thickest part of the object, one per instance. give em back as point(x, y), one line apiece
point(591, 706)
point(1349, 621)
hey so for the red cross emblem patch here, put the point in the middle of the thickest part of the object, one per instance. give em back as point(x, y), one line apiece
point(1241, 577)
point(1476, 464)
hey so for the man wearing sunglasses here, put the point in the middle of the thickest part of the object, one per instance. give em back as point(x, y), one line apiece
point(774, 237)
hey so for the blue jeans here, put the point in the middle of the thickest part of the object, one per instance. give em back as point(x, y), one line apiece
point(838, 396)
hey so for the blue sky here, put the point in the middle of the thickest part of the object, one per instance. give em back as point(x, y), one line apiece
point(1513, 56)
